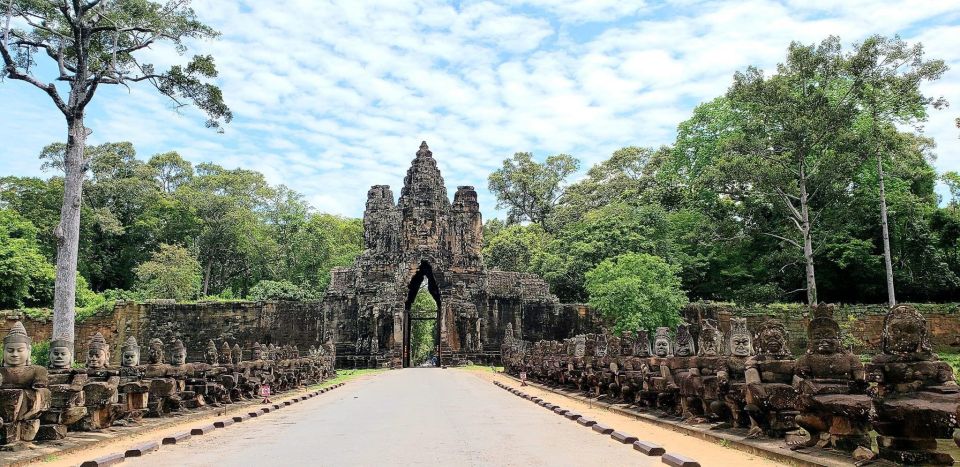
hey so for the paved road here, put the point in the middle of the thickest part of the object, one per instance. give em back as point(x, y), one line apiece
point(405, 417)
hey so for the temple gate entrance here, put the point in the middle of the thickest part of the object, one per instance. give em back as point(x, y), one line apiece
point(413, 318)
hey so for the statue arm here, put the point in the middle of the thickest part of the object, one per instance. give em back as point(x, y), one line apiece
point(752, 376)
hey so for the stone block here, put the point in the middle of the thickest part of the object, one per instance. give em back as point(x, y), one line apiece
point(677, 460)
point(223, 423)
point(202, 430)
point(648, 448)
point(623, 437)
point(288, 402)
point(602, 429)
point(51, 432)
point(560, 411)
point(142, 449)
point(176, 437)
point(586, 421)
point(572, 415)
point(109, 459)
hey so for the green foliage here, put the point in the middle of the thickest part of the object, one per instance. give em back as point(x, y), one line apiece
point(40, 353)
point(423, 333)
point(636, 291)
point(529, 190)
point(26, 277)
point(172, 273)
point(515, 248)
point(278, 290)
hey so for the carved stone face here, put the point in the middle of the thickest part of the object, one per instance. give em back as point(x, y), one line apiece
point(772, 341)
point(904, 336)
point(16, 354)
point(96, 358)
point(740, 345)
point(661, 347)
point(130, 358)
point(60, 357)
point(257, 354)
point(178, 357)
point(825, 341)
point(684, 348)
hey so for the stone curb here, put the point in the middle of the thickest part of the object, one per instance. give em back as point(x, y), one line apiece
point(823, 459)
point(676, 460)
point(623, 437)
point(586, 421)
point(109, 459)
point(602, 429)
point(177, 437)
point(147, 447)
point(141, 449)
point(649, 448)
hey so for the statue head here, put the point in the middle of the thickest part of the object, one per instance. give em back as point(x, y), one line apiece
point(155, 351)
point(178, 356)
point(627, 344)
point(211, 356)
point(904, 332)
point(741, 345)
point(683, 342)
point(61, 353)
point(257, 353)
point(508, 334)
point(711, 339)
point(130, 353)
point(579, 345)
point(772, 339)
point(271, 352)
point(225, 357)
point(17, 346)
point(823, 333)
point(661, 342)
point(98, 352)
point(641, 346)
point(237, 354)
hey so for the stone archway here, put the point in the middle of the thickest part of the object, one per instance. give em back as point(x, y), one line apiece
point(424, 272)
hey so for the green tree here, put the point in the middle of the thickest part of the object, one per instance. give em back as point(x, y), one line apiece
point(25, 275)
point(173, 272)
point(171, 170)
point(423, 333)
point(277, 290)
point(93, 43)
point(515, 248)
point(530, 190)
point(636, 291)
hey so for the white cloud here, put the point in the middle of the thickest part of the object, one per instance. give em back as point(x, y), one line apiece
point(331, 97)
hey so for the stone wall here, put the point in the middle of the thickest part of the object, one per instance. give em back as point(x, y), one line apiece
point(281, 323)
point(861, 323)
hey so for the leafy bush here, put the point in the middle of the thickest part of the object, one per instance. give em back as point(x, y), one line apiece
point(636, 291)
point(172, 272)
point(278, 290)
point(26, 277)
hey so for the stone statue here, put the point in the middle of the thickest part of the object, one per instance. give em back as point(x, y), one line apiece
point(916, 396)
point(741, 348)
point(236, 354)
point(211, 357)
point(60, 354)
point(833, 404)
point(659, 388)
point(130, 353)
point(225, 357)
point(23, 390)
point(770, 396)
point(101, 393)
point(679, 365)
point(66, 392)
point(701, 390)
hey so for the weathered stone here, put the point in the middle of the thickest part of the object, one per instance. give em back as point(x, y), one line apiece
point(586, 421)
point(109, 459)
point(141, 449)
point(677, 460)
point(648, 448)
point(623, 437)
point(177, 437)
point(202, 430)
point(602, 429)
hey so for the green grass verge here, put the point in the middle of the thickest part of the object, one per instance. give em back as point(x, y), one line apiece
point(480, 368)
point(346, 375)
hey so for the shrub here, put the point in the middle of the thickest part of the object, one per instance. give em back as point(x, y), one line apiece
point(278, 290)
point(636, 291)
point(172, 272)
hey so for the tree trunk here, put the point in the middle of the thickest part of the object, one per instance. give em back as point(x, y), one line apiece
point(67, 232)
point(206, 278)
point(891, 296)
point(807, 240)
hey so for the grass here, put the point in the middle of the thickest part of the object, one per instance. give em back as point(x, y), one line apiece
point(954, 360)
point(492, 369)
point(346, 375)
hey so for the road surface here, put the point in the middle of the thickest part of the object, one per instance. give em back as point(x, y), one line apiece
point(414, 416)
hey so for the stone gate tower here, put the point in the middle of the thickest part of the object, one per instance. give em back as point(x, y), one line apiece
point(425, 237)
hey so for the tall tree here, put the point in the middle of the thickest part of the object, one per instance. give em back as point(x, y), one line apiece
point(171, 170)
point(890, 73)
point(794, 138)
point(94, 43)
point(528, 189)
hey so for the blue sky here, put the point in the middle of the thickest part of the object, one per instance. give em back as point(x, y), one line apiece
point(332, 97)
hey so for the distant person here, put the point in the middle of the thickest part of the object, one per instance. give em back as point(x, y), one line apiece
point(265, 393)
point(523, 378)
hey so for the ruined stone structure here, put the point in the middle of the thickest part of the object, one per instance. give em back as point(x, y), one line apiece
point(913, 400)
point(426, 237)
